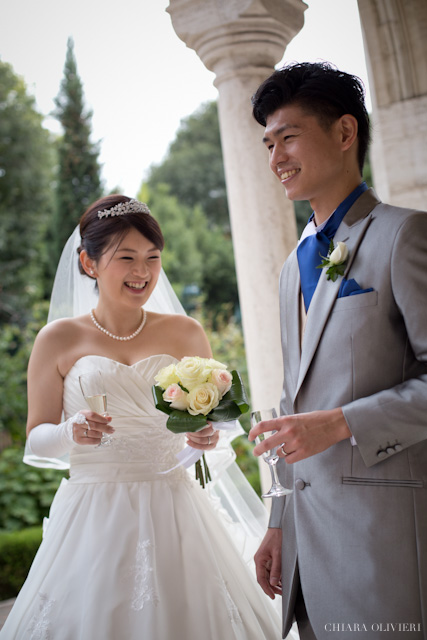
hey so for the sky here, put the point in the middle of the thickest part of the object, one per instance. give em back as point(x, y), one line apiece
point(139, 79)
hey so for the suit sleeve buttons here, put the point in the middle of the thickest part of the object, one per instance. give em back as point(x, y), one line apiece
point(389, 451)
point(381, 454)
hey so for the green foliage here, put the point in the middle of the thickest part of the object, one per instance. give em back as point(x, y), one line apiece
point(195, 255)
point(17, 551)
point(79, 182)
point(15, 349)
point(26, 492)
point(181, 257)
point(195, 221)
point(194, 167)
point(26, 165)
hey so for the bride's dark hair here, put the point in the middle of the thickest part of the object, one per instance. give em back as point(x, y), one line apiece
point(98, 234)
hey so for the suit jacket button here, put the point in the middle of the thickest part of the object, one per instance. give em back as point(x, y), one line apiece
point(299, 484)
point(398, 447)
point(390, 450)
point(381, 454)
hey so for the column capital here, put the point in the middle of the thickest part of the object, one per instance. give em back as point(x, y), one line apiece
point(237, 36)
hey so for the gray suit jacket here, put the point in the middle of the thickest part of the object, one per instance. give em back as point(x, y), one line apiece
point(355, 527)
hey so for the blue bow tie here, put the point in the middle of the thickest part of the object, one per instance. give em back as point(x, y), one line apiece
point(311, 250)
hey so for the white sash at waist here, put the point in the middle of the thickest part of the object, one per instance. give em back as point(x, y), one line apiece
point(121, 472)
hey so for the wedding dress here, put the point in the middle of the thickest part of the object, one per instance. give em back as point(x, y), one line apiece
point(130, 552)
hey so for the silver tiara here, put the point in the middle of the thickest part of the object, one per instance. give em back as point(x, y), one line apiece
point(121, 209)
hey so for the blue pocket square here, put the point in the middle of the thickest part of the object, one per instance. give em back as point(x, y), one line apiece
point(350, 288)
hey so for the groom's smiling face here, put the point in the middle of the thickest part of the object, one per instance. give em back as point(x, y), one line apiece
point(306, 156)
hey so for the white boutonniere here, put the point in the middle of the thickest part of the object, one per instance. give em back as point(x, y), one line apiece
point(335, 261)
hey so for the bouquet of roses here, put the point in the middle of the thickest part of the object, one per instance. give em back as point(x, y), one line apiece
point(196, 390)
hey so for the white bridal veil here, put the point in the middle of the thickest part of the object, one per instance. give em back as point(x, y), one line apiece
point(74, 294)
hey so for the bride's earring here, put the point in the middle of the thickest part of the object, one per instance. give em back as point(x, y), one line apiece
point(87, 264)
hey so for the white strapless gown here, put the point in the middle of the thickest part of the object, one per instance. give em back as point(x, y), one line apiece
point(130, 554)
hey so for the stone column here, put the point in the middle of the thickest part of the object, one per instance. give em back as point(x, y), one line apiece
point(395, 37)
point(241, 41)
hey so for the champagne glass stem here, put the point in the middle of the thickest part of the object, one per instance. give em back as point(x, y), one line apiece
point(274, 474)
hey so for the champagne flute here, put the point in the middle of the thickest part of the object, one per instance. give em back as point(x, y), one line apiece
point(269, 456)
point(92, 386)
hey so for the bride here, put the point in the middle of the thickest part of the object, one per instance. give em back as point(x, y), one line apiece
point(134, 547)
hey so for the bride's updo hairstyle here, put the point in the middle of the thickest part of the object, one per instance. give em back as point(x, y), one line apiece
point(109, 219)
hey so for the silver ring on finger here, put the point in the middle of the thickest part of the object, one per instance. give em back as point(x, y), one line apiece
point(209, 440)
point(85, 433)
point(283, 450)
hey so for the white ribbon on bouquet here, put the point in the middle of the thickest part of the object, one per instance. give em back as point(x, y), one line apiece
point(189, 455)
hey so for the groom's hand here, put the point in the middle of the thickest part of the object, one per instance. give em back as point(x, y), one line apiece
point(268, 562)
point(302, 435)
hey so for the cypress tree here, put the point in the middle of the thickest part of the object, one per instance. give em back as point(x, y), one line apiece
point(79, 181)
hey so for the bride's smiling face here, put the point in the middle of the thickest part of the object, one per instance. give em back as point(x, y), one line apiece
point(129, 269)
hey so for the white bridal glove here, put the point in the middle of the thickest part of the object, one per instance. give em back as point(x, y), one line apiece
point(50, 440)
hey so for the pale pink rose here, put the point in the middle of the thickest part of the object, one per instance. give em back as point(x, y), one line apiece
point(177, 397)
point(222, 379)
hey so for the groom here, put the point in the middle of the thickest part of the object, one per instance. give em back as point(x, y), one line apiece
point(348, 547)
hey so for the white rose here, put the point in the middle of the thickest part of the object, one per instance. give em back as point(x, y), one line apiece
point(203, 399)
point(339, 254)
point(177, 397)
point(214, 364)
point(222, 379)
point(192, 372)
point(166, 376)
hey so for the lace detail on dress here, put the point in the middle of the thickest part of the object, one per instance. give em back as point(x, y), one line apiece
point(126, 447)
point(154, 446)
point(143, 572)
point(232, 610)
point(39, 626)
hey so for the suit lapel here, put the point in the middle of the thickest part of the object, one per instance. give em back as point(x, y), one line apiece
point(350, 231)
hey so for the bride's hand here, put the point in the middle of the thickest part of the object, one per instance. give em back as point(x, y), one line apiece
point(91, 431)
point(205, 439)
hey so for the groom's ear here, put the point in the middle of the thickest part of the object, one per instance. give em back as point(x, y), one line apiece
point(348, 130)
point(89, 265)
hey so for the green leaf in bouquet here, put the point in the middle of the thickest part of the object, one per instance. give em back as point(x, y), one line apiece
point(225, 411)
point(237, 393)
point(181, 422)
point(161, 404)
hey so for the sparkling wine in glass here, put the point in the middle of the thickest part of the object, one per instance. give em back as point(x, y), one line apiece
point(269, 456)
point(92, 386)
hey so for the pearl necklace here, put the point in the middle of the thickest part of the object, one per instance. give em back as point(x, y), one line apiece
point(111, 335)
